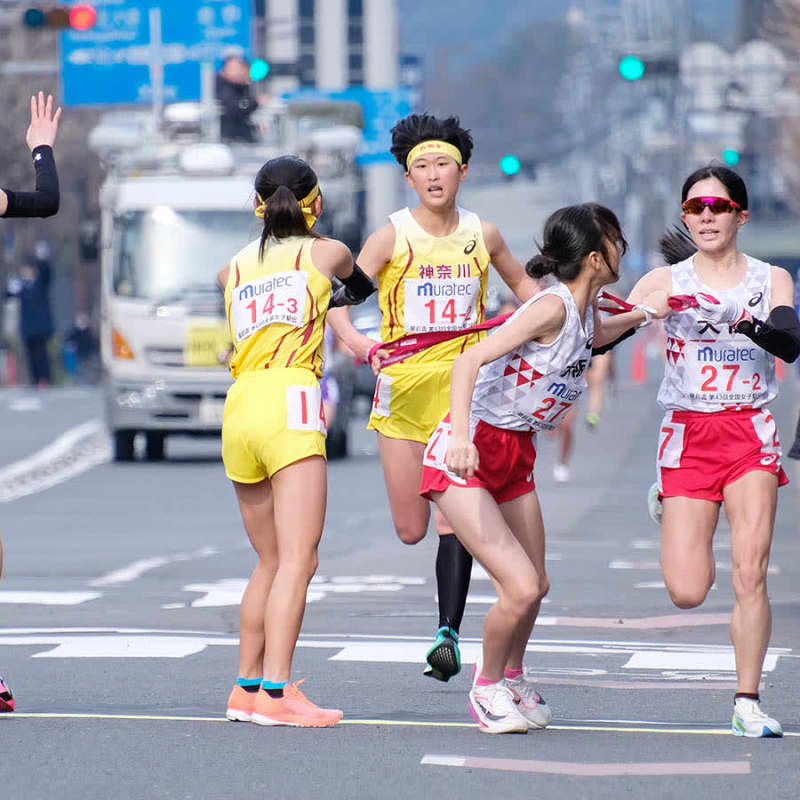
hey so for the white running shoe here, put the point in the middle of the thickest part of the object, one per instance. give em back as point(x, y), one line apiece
point(561, 473)
point(654, 505)
point(749, 720)
point(529, 702)
point(494, 709)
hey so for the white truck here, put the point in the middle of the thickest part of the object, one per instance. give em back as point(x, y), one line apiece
point(173, 212)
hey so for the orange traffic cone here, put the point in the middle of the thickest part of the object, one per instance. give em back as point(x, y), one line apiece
point(639, 362)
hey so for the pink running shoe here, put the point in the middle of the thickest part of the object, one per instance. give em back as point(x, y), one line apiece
point(6, 697)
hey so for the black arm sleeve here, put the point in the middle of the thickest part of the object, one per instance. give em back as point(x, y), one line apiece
point(44, 201)
point(779, 335)
point(598, 351)
point(354, 289)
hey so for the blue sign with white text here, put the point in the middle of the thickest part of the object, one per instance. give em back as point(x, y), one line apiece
point(110, 63)
point(382, 109)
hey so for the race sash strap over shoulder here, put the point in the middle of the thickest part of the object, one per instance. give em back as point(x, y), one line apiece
point(405, 346)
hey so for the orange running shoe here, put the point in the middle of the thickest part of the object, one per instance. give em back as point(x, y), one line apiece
point(240, 704)
point(294, 708)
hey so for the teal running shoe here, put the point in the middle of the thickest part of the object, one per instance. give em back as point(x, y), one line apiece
point(444, 657)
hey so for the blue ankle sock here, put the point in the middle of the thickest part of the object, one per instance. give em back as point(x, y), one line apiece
point(250, 685)
point(274, 688)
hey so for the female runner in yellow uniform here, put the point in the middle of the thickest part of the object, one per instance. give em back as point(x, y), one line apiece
point(431, 265)
point(277, 291)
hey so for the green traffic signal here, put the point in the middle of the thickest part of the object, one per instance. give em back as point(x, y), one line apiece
point(510, 164)
point(259, 69)
point(631, 68)
point(730, 156)
point(33, 18)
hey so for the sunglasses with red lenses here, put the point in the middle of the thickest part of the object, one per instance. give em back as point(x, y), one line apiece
point(717, 205)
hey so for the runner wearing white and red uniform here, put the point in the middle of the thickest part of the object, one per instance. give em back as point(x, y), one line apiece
point(718, 442)
point(528, 390)
point(478, 466)
point(710, 370)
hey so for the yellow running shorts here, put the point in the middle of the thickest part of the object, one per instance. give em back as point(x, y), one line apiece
point(272, 418)
point(411, 400)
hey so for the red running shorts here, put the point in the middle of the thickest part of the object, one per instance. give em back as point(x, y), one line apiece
point(505, 462)
point(699, 453)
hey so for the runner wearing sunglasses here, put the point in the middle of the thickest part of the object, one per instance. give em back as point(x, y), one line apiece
point(431, 264)
point(718, 442)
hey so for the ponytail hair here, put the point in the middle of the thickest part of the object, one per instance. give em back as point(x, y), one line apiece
point(676, 245)
point(280, 185)
point(570, 234)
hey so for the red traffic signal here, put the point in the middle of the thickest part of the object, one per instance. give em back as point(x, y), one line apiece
point(79, 17)
point(82, 16)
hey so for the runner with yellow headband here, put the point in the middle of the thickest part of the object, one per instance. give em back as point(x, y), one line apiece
point(277, 294)
point(431, 264)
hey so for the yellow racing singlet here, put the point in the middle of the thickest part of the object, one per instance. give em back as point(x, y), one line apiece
point(434, 283)
point(276, 307)
point(430, 284)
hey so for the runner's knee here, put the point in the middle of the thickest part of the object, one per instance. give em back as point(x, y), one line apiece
point(749, 578)
point(521, 595)
point(408, 533)
point(686, 595)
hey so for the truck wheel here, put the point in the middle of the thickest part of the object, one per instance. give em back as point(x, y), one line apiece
point(154, 446)
point(123, 445)
point(336, 443)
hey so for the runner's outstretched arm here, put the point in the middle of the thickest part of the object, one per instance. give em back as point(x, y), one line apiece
point(44, 201)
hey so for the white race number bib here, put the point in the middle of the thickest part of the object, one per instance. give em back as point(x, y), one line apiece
point(279, 297)
point(441, 305)
point(724, 373)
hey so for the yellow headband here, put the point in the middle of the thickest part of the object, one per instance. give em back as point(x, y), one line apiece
point(305, 206)
point(434, 146)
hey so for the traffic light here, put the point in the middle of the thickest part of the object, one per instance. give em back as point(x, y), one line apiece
point(731, 156)
point(510, 165)
point(79, 17)
point(633, 68)
point(259, 69)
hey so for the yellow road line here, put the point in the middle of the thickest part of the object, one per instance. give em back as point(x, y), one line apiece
point(400, 723)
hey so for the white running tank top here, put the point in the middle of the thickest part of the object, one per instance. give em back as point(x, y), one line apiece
point(707, 367)
point(533, 387)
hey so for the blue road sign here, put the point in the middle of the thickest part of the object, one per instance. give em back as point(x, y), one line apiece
point(110, 63)
point(382, 109)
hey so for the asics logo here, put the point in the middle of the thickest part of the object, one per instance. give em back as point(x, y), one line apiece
point(471, 245)
point(755, 299)
point(768, 459)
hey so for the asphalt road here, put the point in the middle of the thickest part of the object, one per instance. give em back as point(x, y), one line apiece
point(118, 633)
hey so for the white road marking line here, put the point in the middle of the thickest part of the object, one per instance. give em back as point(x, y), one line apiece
point(655, 544)
point(134, 643)
point(229, 591)
point(73, 452)
point(47, 598)
point(138, 568)
point(25, 404)
point(713, 662)
point(661, 585)
point(722, 566)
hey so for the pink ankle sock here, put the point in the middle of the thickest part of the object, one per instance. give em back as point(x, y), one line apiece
point(513, 673)
point(481, 681)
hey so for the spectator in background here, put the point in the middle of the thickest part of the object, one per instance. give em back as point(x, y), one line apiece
point(237, 100)
point(80, 350)
point(32, 288)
